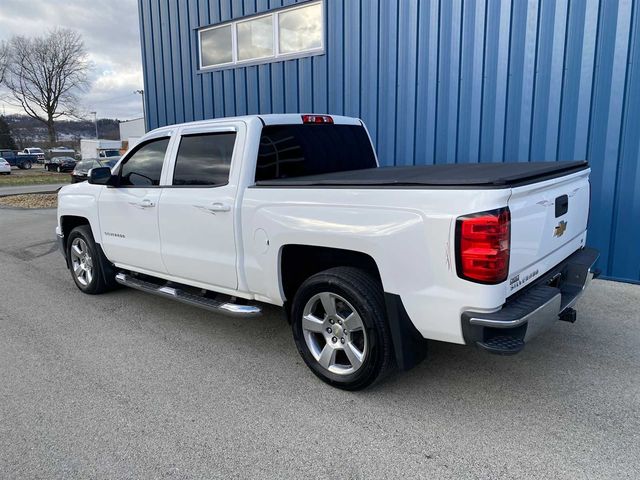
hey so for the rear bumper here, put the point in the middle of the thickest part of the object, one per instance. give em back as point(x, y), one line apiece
point(534, 309)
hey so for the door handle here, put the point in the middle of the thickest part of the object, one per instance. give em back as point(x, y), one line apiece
point(146, 203)
point(214, 207)
point(220, 207)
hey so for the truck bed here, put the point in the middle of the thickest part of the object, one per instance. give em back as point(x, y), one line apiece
point(472, 175)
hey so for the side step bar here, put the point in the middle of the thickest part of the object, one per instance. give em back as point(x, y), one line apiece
point(224, 308)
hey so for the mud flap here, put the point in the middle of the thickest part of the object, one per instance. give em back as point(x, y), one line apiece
point(409, 345)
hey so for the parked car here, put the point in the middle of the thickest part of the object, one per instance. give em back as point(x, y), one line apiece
point(38, 152)
point(60, 164)
point(5, 168)
point(367, 262)
point(61, 152)
point(22, 160)
point(82, 168)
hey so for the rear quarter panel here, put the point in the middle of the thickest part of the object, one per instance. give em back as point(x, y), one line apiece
point(408, 232)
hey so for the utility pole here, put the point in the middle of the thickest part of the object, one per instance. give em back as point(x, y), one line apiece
point(144, 116)
point(95, 121)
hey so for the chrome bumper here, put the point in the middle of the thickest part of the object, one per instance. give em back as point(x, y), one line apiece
point(533, 310)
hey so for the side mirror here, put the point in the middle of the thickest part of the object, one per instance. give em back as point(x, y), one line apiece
point(101, 176)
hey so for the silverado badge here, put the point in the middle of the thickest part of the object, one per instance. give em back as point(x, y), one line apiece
point(560, 229)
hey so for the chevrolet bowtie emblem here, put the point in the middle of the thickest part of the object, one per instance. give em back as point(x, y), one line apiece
point(560, 229)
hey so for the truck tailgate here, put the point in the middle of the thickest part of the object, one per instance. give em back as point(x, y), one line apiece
point(548, 223)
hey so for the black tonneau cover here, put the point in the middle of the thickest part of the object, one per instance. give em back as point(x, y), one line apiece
point(471, 175)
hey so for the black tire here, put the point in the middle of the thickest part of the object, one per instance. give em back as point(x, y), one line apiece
point(364, 294)
point(102, 278)
point(27, 165)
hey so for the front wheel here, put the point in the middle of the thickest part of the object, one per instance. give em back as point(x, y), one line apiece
point(340, 327)
point(90, 271)
point(27, 165)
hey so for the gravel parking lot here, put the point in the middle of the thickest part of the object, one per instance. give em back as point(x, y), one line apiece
point(127, 385)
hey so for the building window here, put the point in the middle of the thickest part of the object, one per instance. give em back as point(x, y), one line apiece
point(255, 38)
point(300, 29)
point(216, 46)
point(286, 33)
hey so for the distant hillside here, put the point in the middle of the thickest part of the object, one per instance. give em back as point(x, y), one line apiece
point(28, 132)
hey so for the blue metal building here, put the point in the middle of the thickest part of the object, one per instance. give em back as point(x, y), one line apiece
point(435, 81)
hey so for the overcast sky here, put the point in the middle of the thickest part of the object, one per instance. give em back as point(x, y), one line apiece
point(111, 35)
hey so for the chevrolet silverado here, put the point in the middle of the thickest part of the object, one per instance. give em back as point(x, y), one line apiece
point(368, 262)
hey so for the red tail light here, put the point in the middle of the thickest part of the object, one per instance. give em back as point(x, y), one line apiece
point(482, 246)
point(316, 119)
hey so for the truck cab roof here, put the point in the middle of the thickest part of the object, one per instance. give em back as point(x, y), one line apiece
point(266, 119)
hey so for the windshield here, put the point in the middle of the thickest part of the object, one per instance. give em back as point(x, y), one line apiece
point(111, 153)
point(110, 163)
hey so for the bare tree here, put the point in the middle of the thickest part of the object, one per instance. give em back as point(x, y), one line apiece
point(45, 74)
point(4, 60)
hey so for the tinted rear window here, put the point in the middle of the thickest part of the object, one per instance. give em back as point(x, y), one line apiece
point(288, 151)
point(204, 159)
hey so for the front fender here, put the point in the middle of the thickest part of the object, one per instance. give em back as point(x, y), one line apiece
point(81, 200)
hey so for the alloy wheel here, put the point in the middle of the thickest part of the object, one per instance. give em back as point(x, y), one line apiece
point(334, 333)
point(81, 262)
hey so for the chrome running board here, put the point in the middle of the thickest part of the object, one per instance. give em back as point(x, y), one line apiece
point(224, 308)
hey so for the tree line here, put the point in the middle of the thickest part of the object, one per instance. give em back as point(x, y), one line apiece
point(44, 75)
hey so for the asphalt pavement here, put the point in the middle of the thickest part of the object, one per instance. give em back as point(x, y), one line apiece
point(128, 385)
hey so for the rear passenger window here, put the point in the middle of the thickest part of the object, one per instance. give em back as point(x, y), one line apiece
point(144, 166)
point(204, 159)
point(288, 151)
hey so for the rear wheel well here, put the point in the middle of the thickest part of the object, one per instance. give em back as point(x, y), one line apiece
point(299, 262)
point(68, 223)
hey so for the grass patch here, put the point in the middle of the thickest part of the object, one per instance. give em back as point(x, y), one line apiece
point(34, 200)
point(33, 178)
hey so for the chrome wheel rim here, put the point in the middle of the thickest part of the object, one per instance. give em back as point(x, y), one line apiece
point(81, 262)
point(334, 333)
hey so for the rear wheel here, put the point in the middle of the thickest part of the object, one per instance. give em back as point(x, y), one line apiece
point(91, 272)
point(27, 165)
point(340, 328)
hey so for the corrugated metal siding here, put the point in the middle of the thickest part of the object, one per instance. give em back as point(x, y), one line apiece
point(441, 82)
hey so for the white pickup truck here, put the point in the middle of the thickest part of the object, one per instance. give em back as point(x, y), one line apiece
point(367, 261)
